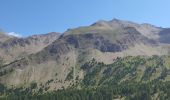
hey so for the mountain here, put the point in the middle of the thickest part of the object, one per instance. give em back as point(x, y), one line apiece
point(15, 48)
point(106, 52)
point(4, 37)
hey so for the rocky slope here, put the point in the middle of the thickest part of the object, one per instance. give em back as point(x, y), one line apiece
point(13, 48)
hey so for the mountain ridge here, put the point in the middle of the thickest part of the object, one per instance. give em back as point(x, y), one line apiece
point(15, 47)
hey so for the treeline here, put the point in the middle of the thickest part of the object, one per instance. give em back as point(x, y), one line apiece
point(127, 91)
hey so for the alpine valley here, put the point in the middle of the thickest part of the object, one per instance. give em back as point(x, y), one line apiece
point(108, 60)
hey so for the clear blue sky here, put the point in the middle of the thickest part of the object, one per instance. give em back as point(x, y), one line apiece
point(28, 17)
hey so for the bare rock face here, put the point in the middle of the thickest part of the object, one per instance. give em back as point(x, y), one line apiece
point(104, 42)
point(165, 36)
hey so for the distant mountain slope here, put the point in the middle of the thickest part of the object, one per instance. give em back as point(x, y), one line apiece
point(15, 48)
point(4, 37)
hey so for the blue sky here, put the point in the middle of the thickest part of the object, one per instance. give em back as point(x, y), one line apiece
point(28, 17)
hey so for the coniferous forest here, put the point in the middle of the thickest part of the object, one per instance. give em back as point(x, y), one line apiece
point(119, 80)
